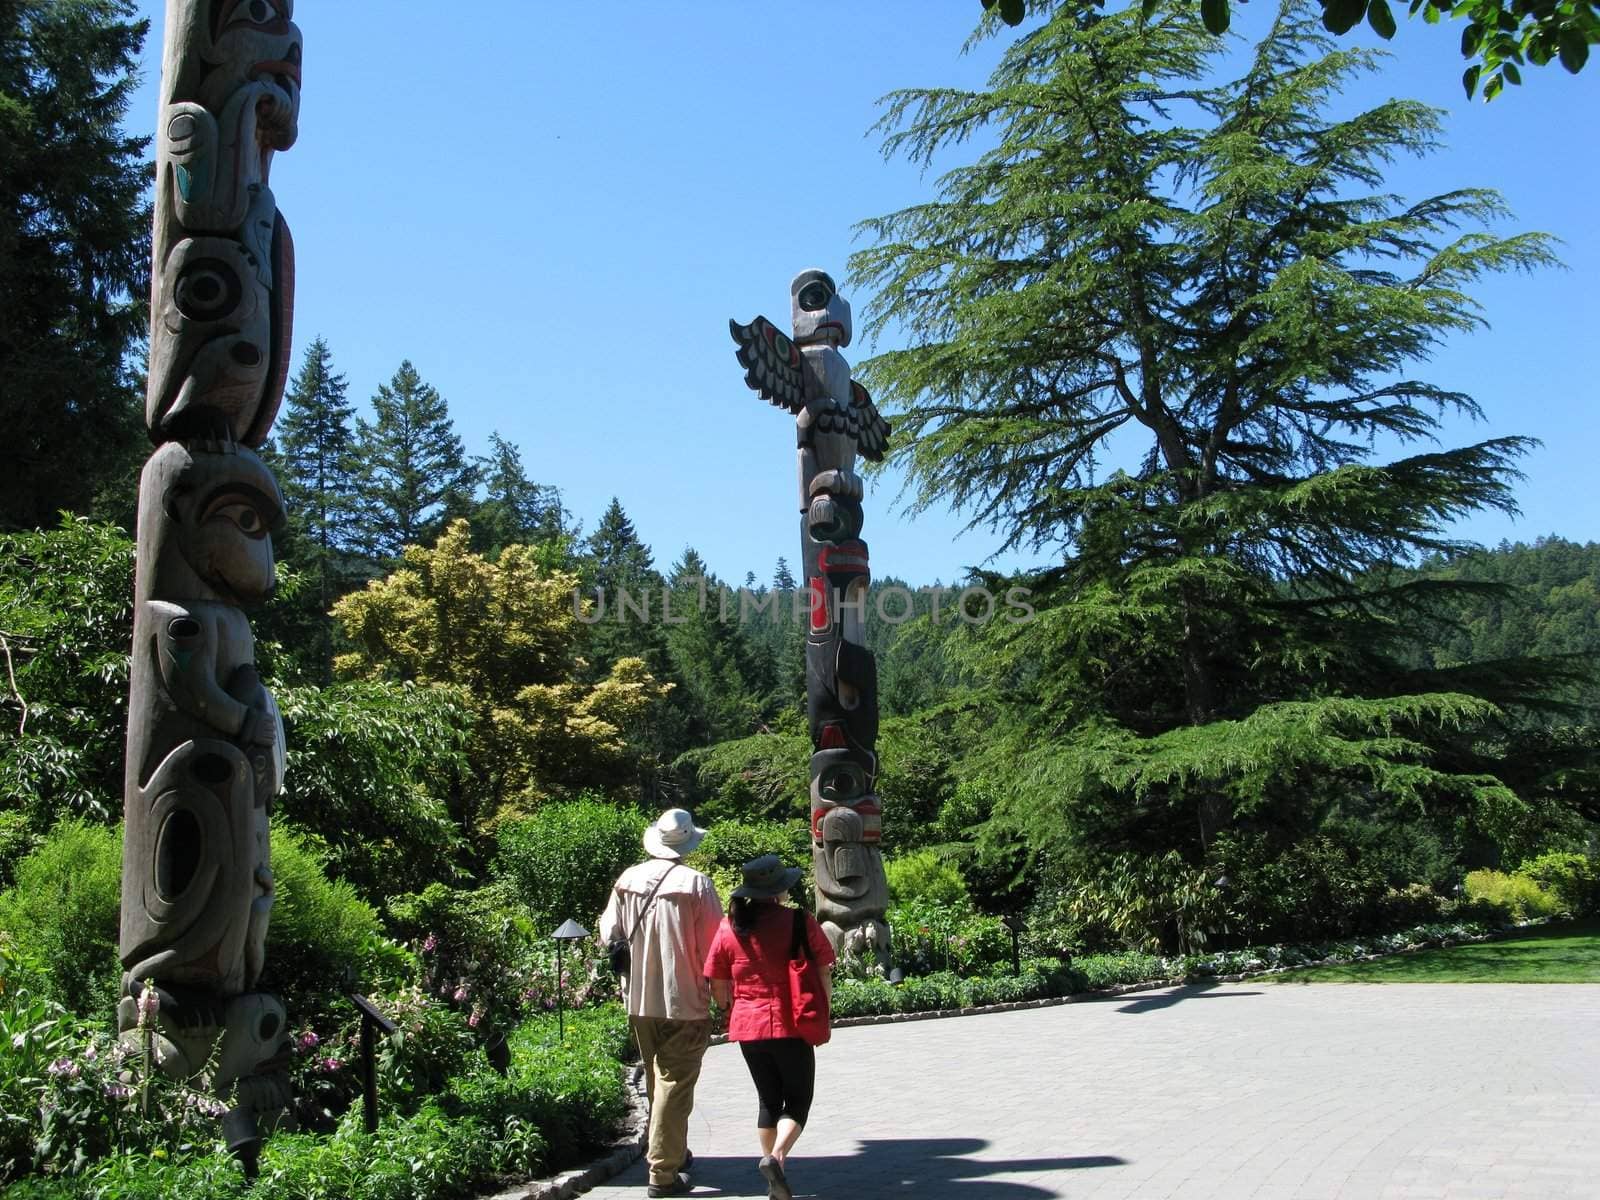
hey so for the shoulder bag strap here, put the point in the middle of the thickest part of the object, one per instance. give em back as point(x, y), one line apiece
point(800, 947)
point(648, 901)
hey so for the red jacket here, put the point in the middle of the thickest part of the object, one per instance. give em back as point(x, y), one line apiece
point(758, 965)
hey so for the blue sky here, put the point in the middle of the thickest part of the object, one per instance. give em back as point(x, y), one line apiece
point(553, 210)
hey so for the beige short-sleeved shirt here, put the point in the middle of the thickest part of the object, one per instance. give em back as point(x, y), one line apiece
point(669, 947)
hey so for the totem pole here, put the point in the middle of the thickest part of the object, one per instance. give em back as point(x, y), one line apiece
point(205, 743)
point(836, 420)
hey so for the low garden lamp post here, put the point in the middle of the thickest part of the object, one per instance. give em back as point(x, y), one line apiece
point(570, 931)
point(1013, 923)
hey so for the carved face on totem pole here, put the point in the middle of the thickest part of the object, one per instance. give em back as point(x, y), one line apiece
point(835, 420)
point(224, 260)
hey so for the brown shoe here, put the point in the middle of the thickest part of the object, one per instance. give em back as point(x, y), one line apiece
point(777, 1184)
point(680, 1186)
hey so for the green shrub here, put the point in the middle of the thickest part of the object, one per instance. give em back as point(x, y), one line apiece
point(369, 765)
point(1415, 904)
point(931, 936)
point(18, 838)
point(569, 1089)
point(730, 844)
point(923, 875)
point(1112, 970)
point(1574, 879)
point(562, 861)
point(63, 914)
point(765, 775)
point(1518, 894)
point(322, 937)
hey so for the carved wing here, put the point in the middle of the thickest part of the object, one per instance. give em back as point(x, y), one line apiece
point(872, 435)
point(771, 363)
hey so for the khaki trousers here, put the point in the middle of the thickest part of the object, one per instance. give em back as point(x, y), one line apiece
point(672, 1053)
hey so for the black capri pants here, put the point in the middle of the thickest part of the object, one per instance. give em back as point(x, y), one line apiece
point(785, 1074)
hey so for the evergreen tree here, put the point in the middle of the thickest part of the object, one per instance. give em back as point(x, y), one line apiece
point(515, 511)
point(74, 255)
point(317, 446)
point(1209, 267)
point(414, 469)
point(727, 679)
point(313, 458)
point(782, 579)
point(621, 579)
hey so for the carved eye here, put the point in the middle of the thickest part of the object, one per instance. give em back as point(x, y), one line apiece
point(208, 289)
point(263, 13)
point(815, 296)
point(242, 513)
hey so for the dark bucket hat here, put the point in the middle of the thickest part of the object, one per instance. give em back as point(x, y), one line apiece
point(766, 877)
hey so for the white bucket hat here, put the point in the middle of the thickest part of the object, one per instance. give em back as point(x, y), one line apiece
point(673, 835)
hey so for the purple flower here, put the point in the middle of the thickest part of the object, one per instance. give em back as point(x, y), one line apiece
point(64, 1068)
point(331, 1064)
point(459, 994)
point(118, 1091)
point(430, 944)
point(477, 1015)
point(149, 1003)
point(308, 1040)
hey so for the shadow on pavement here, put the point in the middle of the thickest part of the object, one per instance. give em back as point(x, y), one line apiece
point(1155, 1000)
point(931, 1168)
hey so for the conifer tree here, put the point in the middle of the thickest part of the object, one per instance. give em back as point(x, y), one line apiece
point(515, 511)
point(74, 257)
point(782, 578)
point(317, 448)
point(414, 469)
point(727, 679)
point(1214, 273)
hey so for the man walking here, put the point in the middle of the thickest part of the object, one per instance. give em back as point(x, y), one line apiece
point(668, 914)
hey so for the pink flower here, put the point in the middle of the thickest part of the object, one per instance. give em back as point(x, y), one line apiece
point(330, 1064)
point(118, 1091)
point(308, 1040)
point(64, 1068)
point(430, 944)
point(149, 1004)
point(460, 994)
point(477, 1015)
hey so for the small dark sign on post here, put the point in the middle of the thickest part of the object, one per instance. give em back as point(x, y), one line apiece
point(371, 1019)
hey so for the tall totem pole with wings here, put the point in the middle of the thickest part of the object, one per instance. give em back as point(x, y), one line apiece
point(205, 743)
point(835, 421)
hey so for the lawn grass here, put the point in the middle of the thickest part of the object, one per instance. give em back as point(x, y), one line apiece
point(1564, 953)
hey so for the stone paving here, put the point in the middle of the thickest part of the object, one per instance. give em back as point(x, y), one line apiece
point(1250, 1091)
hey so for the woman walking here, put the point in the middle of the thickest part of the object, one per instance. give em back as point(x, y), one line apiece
point(769, 969)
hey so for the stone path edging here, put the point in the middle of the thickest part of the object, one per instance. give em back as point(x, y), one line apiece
point(624, 1153)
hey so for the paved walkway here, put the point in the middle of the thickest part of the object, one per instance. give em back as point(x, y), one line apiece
point(1252, 1091)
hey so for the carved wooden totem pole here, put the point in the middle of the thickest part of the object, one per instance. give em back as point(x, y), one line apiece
point(836, 420)
point(205, 744)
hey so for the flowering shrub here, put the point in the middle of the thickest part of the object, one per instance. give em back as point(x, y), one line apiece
point(71, 1092)
point(930, 935)
point(558, 1100)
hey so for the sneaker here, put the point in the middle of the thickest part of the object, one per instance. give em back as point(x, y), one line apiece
point(777, 1184)
point(680, 1186)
